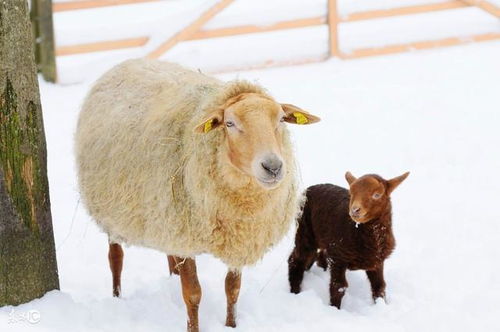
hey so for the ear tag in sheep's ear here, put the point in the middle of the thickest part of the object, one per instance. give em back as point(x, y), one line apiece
point(208, 126)
point(300, 118)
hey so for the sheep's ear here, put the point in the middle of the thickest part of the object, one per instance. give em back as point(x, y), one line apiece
point(211, 122)
point(395, 182)
point(294, 114)
point(350, 178)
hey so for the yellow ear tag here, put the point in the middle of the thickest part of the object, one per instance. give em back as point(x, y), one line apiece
point(300, 118)
point(208, 126)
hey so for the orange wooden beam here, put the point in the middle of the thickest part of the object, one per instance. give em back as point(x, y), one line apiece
point(484, 5)
point(409, 10)
point(332, 19)
point(272, 63)
point(101, 46)
point(87, 4)
point(246, 29)
point(420, 45)
point(333, 28)
point(190, 29)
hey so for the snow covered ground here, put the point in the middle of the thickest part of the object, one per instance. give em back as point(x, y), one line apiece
point(434, 113)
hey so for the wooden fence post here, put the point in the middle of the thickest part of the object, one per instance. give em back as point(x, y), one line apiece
point(333, 21)
point(43, 34)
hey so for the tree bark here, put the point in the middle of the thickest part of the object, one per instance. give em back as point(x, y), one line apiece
point(28, 267)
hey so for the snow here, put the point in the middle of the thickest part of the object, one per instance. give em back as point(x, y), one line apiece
point(434, 113)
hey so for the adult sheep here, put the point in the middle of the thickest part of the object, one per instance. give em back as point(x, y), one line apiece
point(177, 161)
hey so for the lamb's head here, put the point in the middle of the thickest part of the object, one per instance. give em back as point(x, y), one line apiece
point(253, 126)
point(370, 195)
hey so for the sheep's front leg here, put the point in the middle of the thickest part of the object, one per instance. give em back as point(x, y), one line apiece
point(377, 282)
point(338, 284)
point(115, 258)
point(191, 290)
point(233, 283)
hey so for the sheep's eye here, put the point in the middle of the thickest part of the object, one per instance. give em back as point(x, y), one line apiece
point(376, 196)
point(282, 119)
point(229, 124)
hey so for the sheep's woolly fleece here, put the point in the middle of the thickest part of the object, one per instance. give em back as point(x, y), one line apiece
point(148, 180)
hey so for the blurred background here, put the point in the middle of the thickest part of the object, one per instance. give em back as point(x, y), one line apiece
point(216, 35)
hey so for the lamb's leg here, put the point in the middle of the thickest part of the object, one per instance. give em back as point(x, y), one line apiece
point(300, 260)
point(191, 290)
point(305, 251)
point(338, 284)
point(321, 259)
point(377, 282)
point(233, 283)
point(115, 257)
point(172, 265)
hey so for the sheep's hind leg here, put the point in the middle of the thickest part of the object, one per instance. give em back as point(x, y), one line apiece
point(233, 283)
point(377, 282)
point(115, 257)
point(172, 265)
point(191, 290)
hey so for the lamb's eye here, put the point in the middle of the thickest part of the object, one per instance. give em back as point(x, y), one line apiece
point(376, 196)
point(282, 119)
point(229, 124)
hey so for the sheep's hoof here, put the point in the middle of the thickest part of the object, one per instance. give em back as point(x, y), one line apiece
point(192, 327)
point(295, 290)
point(230, 322)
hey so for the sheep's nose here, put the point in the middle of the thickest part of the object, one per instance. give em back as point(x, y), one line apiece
point(272, 166)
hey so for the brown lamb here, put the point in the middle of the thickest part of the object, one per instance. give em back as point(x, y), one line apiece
point(345, 229)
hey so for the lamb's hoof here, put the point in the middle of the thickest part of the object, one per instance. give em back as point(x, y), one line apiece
point(230, 323)
point(380, 299)
point(335, 303)
point(295, 290)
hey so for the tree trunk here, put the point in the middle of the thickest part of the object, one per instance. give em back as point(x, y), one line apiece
point(43, 34)
point(28, 266)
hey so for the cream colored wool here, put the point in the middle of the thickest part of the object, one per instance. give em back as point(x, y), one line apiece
point(149, 180)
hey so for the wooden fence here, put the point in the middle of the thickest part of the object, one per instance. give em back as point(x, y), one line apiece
point(195, 31)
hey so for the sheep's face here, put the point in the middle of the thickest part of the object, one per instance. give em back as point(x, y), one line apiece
point(369, 195)
point(253, 126)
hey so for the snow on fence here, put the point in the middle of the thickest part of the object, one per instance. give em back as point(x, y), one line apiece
point(195, 31)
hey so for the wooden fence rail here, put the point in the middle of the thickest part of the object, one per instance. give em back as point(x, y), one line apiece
point(194, 30)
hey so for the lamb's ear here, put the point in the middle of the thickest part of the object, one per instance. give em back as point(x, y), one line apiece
point(211, 122)
point(395, 182)
point(350, 178)
point(294, 114)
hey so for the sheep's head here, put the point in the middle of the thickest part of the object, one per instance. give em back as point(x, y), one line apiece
point(370, 195)
point(253, 126)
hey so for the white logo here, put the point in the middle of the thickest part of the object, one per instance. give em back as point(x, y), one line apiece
point(31, 317)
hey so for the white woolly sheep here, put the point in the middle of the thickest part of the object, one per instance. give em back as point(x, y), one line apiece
point(174, 160)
